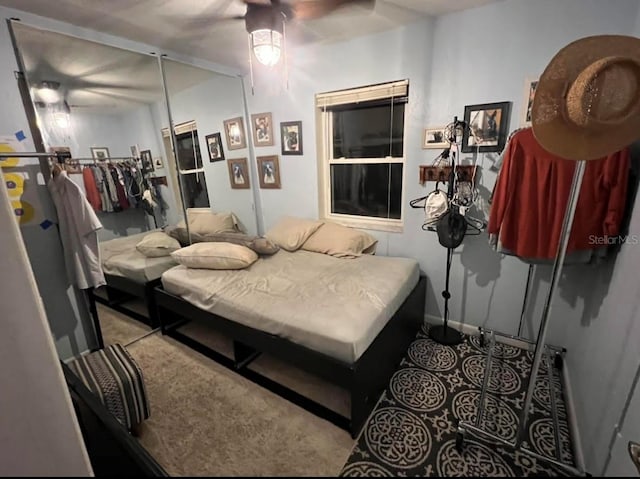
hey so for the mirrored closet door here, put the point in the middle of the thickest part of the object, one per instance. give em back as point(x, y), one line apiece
point(208, 113)
point(102, 106)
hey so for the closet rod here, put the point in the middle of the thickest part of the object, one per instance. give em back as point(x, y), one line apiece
point(108, 158)
point(23, 154)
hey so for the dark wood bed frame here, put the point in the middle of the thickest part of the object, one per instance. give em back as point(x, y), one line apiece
point(121, 289)
point(365, 379)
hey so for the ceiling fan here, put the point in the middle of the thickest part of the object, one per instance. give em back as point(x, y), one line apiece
point(265, 21)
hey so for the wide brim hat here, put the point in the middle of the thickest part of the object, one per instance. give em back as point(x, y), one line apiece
point(587, 101)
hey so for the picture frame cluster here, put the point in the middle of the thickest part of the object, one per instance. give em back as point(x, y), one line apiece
point(262, 135)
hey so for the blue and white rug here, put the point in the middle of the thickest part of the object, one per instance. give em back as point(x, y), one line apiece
point(412, 430)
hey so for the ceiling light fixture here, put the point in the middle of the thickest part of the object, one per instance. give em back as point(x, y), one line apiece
point(266, 45)
point(48, 91)
point(267, 36)
point(62, 117)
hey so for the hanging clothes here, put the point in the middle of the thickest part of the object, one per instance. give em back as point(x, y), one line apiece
point(531, 196)
point(78, 230)
point(118, 180)
point(90, 186)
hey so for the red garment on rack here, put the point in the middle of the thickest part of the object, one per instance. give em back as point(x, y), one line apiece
point(92, 193)
point(532, 192)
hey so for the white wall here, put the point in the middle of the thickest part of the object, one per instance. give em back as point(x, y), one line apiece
point(209, 104)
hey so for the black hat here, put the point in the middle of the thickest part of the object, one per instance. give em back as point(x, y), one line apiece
point(451, 229)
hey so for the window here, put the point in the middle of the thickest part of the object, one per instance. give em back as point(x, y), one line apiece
point(191, 170)
point(362, 155)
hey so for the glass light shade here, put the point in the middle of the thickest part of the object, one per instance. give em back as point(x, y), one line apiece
point(266, 45)
point(48, 95)
point(62, 119)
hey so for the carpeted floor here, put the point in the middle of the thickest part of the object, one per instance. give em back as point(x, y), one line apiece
point(118, 328)
point(208, 421)
point(412, 430)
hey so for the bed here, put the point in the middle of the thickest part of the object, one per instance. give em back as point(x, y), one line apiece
point(347, 321)
point(130, 274)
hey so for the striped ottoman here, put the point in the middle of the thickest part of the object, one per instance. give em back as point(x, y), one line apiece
point(113, 376)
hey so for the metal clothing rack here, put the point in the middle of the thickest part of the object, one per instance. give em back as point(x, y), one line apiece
point(466, 427)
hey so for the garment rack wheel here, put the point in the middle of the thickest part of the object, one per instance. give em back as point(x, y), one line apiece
point(482, 339)
point(460, 435)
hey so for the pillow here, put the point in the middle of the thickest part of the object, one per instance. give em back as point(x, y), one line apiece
point(204, 221)
point(157, 244)
point(337, 240)
point(290, 233)
point(179, 233)
point(215, 256)
point(257, 244)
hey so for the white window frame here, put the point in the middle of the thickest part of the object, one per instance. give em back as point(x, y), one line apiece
point(324, 135)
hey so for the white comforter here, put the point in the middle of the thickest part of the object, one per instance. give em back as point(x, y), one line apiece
point(120, 257)
point(331, 305)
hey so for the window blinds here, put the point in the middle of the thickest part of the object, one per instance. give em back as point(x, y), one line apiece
point(398, 89)
point(181, 128)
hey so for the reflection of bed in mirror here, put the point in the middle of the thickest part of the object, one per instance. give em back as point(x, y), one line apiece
point(131, 275)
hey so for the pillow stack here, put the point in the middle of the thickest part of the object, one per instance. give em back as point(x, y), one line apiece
point(324, 237)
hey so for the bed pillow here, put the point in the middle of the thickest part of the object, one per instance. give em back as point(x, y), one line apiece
point(340, 241)
point(215, 256)
point(259, 245)
point(290, 233)
point(204, 221)
point(157, 244)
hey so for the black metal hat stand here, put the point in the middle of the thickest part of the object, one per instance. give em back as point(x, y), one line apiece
point(444, 334)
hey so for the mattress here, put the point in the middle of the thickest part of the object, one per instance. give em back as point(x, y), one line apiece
point(331, 305)
point(120, 257)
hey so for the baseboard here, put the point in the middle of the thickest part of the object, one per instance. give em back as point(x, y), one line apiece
point(472, 330)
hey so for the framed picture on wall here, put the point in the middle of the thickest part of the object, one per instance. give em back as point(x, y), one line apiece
point(99, 152)
point(434, 137)
point(239, 173)
point(488, 127)
point(262, 129)
point(291, 137)
point(214, 146)
point(157, 163)
point(530, 85)
point(269, 171)
point(147, 161)
point(234, 131)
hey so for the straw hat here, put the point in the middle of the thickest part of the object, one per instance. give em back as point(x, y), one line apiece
point(587, 102)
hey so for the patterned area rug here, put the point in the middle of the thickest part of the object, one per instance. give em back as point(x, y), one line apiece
point(412, 431)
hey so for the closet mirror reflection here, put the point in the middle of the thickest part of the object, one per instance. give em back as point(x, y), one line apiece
point(208, 113)
point(103, 105)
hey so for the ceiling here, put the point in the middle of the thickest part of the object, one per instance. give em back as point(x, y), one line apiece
point(96, 77)
point(186, 26)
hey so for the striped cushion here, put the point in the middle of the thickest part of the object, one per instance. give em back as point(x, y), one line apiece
point(113, 376)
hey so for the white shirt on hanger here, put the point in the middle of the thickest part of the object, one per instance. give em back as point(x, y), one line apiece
point(78, 230)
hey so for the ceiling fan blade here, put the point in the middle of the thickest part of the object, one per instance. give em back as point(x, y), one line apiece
point(312, 9)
